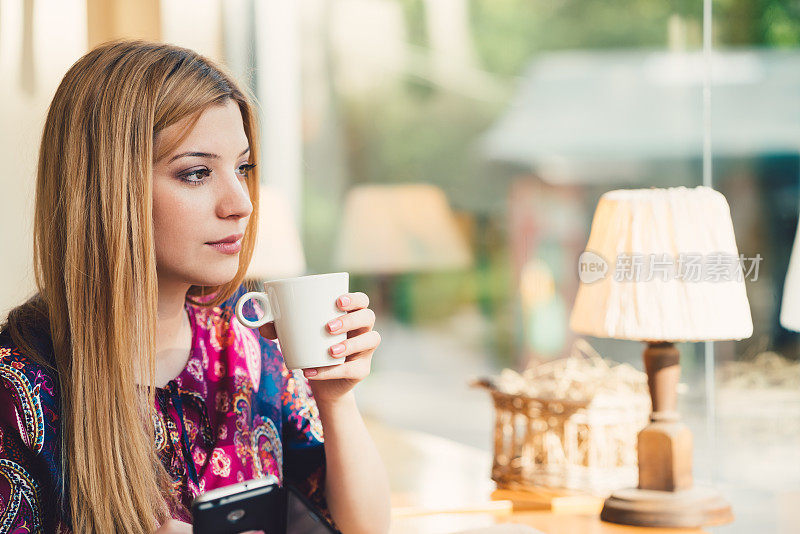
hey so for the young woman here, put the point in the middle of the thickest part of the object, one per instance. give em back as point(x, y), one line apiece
point(127, 387)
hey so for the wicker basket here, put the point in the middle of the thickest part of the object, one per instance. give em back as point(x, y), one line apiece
point(574, 426)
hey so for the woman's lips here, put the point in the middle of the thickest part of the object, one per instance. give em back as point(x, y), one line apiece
point(227, 248)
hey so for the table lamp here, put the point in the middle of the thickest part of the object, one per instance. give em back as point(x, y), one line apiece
point(278, 252)
point(662, 266)
point(390, 229)
point(394, 229)
point(790, 304)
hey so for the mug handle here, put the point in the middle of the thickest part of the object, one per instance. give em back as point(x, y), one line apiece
point(263, 300)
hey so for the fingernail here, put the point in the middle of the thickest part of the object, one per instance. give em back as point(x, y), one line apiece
point(335, 325)
point(344, 301)
point(310, 372)
point(336, 349)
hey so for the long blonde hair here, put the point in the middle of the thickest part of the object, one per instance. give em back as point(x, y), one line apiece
point(96, 267)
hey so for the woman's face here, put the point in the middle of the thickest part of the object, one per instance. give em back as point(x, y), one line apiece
point(200, 196)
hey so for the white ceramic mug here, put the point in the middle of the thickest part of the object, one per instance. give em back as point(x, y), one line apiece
point(301, 308)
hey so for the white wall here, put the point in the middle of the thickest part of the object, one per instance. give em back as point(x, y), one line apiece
point(39, 41)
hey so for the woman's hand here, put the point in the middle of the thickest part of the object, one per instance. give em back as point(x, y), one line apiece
point(330, 383)
point(173, 526)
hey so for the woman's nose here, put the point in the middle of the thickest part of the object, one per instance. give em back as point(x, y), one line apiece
point(234, 199)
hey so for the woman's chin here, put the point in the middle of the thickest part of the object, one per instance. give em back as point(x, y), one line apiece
point(215, 280)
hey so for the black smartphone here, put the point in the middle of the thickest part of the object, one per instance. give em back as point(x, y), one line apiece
point(302, 517)
point(257, 504)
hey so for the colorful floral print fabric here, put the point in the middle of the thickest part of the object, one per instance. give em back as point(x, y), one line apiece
point(234, 413)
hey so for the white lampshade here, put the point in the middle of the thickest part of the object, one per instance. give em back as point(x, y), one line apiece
point(668, 223)
point(279, 250)
point(790, 305)
point(399, 228)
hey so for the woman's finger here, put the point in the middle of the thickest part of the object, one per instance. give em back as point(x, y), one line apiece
point(352, 301)
point(358, 319)
point(355, 368)
point(354, 345)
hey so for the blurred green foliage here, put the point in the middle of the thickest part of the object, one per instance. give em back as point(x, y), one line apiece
point(507, 33)
point(417, 135)
point(768, 23)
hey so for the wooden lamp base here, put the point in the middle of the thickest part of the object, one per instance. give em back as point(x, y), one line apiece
point(665, 496)
point(694, 507)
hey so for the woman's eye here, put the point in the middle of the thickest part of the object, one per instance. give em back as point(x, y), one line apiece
point(244, 169)
point(198, 174)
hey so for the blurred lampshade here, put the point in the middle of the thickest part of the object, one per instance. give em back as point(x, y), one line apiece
point(392, 229)
point(790, 306)
point(279, 251)
point(669, 224)
point(536, 284)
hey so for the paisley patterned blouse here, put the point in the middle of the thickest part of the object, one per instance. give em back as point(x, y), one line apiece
point(234, 413)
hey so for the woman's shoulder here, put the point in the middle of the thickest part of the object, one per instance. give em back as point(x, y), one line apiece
point(33, 368)
point(34, 358)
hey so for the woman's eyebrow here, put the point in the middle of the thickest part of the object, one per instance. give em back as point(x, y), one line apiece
point(203, 155)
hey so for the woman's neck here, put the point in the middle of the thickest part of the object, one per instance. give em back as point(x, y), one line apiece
point(173, 332)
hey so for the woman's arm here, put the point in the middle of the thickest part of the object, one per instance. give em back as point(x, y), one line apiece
point(356, 484)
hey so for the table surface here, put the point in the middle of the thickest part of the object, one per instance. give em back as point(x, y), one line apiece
point(430, 475)
point(546, 522)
